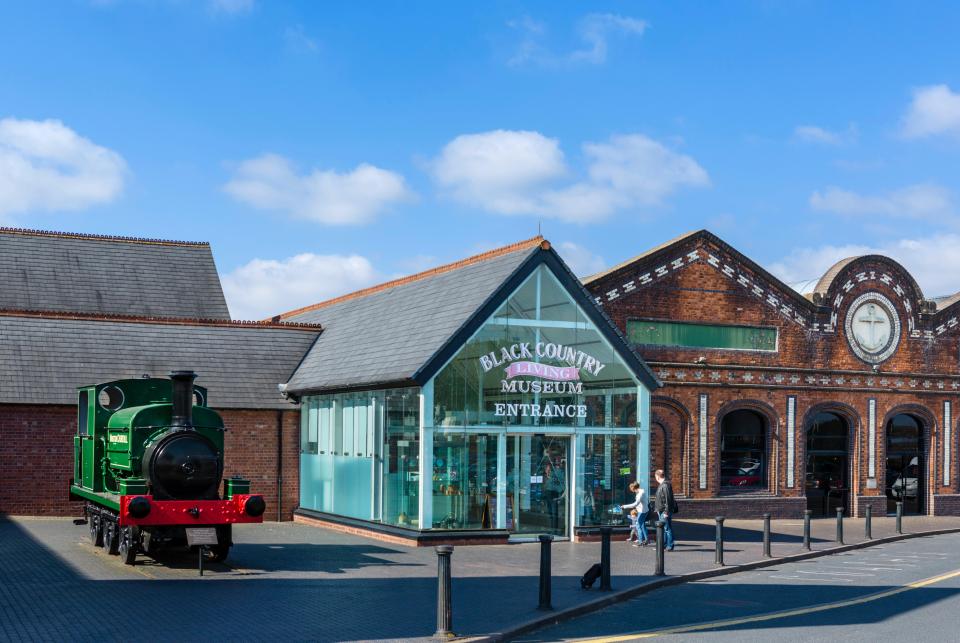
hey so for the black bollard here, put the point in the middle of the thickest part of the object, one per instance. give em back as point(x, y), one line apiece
point(605, 559)
point(719, 557)
point(840, 525)
point(444, 598)
point(545, 598)
point(766, 536)
point(806, 528)
point(659, 569)
point(899, 517)
point(867, 527)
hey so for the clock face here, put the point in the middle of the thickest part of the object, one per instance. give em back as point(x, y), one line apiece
point(873, 327)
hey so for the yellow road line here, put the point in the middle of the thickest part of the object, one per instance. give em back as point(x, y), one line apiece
point(776, 615)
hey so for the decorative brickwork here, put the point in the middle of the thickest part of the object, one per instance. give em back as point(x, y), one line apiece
point(816, 366)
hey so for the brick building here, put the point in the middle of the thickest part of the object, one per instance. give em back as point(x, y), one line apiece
point(81, 309)
point(778, 402)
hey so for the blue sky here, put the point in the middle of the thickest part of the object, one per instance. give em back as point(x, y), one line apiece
point(321, 147)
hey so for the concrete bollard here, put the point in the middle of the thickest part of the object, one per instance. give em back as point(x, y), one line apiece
point(806, 528)
point(444, 597)
point(718, 559)
point(839, 525)
point(659, 569)
point(766, 536)
point(867, 527)
point(605, 559)
point(545, 589)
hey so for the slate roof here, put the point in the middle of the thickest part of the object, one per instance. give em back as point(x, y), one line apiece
point(56, 271)
point(387, 334)
point(43, 358)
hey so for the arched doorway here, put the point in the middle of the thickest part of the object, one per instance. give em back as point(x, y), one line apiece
point(905, 466)
point(743, 451)
point(827, 483)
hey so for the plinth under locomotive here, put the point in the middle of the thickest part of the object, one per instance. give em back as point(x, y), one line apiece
point(148, 462)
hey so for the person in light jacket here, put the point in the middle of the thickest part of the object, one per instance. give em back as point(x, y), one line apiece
point(641, 506)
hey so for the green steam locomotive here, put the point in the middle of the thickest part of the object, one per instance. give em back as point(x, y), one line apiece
point(148, 462)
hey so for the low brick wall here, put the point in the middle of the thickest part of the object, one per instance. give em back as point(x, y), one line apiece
point(946, 505)
point(741, 507)
point(878, 506)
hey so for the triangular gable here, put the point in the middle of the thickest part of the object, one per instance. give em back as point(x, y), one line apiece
point(548, 257)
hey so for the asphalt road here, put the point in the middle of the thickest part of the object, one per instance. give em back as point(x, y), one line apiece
point(904, 590)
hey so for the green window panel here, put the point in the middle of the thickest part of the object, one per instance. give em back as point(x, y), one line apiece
point(662, 333)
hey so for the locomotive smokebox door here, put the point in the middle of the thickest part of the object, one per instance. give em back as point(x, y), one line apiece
point(199, 536)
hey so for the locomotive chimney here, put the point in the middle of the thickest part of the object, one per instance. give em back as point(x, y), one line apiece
point(182, 398)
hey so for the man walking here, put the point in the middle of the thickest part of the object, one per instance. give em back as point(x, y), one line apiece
point(665, 506)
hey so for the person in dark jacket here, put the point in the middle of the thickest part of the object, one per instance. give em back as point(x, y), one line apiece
point(664, 506)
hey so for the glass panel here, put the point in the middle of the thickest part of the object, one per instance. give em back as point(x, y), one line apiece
point(335, 476)
point(742, 451)
point(904, 470)
point(661, 333)
point(537, 484)
point(826, 471)
point(464, 481)
point(538, 361)
point(401, 470)
point(606, 467)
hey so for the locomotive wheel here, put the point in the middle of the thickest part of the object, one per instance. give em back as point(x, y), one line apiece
point(111, 536)
point(129, 544)
point(96, 529)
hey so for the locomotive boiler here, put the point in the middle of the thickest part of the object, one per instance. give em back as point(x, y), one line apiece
point(148, 464)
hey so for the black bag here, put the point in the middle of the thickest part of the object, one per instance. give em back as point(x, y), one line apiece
point(588, 579)
point(674, 507)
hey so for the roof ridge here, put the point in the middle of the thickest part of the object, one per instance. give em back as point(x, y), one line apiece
point(643, 255)
point(100, 237)
point(483, 256)
point(173, 321)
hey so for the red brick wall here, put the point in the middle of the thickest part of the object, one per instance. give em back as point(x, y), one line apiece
point(922, 373)
point(36, 457)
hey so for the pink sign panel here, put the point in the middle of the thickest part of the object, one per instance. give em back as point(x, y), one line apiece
point(555, 373)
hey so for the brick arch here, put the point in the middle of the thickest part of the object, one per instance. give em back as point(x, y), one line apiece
point(674, 420)
point(928, 426)
point(852, 417)
point(772, 418)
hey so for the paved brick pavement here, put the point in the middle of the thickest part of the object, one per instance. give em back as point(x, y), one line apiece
point(301, 583)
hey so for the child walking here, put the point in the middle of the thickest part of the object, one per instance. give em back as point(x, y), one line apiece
point(638, 526)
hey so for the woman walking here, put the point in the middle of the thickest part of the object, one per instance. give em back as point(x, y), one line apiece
point(641, 506)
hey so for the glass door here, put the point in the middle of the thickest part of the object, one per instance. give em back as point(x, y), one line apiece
point(537, 484)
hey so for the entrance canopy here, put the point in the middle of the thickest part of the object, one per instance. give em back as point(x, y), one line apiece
point(491, 394)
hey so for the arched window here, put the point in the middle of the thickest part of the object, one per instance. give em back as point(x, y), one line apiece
point(743, 451)
point(826, 471)
point(904, 477)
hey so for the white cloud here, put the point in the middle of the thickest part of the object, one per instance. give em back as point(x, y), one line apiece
point(45, 165)
point(934, 110)
point(594, 32)
point(815, 134)
point(923, 200)
point(595, 29)
point(270, 182)
point(581, 261)
point(499, 170)
point(519, 173)
point(231, 7)
point(266, 287)
point(297, 40)
point(933, 261)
